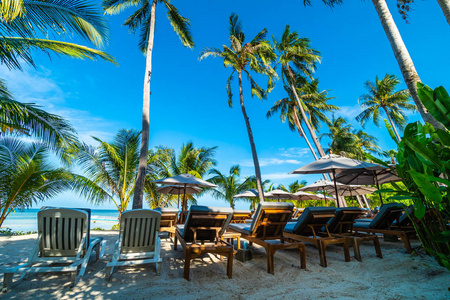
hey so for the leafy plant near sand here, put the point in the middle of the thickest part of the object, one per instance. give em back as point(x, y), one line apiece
point(26, 176)
point(423, 162)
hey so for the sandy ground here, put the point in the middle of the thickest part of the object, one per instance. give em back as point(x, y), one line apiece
point(397, 276)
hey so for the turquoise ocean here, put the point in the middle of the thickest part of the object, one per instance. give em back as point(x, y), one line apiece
point(26, 220)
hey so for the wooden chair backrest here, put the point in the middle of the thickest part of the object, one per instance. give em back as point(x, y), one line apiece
point(343, 220)
point(270, 219)
point(387, 215)
point(205, 223)
point(239, 216)
point(169, 216)
point(313, 218)
point(62, 231)
point(139, 230)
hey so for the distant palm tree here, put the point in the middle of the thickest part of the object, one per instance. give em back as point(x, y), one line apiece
point(340, 134)
point(110, 170)
point(27, 175)
point(391, 154)
point(144, 19)
point(364, 142)
point(165, 163)
point(297, 51)
point(228, 186)
point(382, 95)
point(266, 185)
point(242, 57)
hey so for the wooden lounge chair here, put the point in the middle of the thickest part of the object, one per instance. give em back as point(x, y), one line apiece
point(383, 224)
point(63, 238)
point(307, 229)
point(169, 218)
point(138, 242)
point(239, 216)
point(202, 233)
point(341, 225)
point(267, 228)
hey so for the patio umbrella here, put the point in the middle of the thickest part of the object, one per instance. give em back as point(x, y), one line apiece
point(306, 196)
point(333, 163)
point(185, 180)
point(247, 194)
point(176, 190)
point(354, 190)
point(278, 194)
point(320, 185)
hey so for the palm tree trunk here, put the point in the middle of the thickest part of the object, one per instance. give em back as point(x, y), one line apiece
point(252, 143)
point(301, 132)
point(305, 118)
point(140, 179)
point(403, 59)
point(392, 124)
point(445, 6)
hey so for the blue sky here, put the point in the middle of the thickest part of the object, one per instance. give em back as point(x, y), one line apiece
point(189, 100)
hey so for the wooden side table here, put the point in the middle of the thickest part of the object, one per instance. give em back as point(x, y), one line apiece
point(230, 236)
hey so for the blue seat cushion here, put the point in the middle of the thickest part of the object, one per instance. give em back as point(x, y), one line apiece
point(359, 224)
point(241, 228)
point(311, 216)
point(290, 227)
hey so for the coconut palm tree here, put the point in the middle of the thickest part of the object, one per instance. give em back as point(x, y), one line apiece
point(363, 143)
point(26, 25)
point(27, 175)
point(228, 186)
point(266, 185)
point(144, 20)
point(382, 95)
point(340, 135)
point(243, 58)
point(110, 170)
point(401, 53)
point(296, 56)
point(29, 120)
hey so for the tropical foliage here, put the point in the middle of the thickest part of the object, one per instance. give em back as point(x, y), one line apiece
point(27, 176)
point(143, 19)
point(228, 186)
point(423, 163)
point(242, 57)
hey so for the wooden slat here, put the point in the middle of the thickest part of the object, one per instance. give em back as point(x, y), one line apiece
point(137, 233)
point(59, 228)
point(131, 232)
point(142, 235)
point(72, 234)
point(152, 232)
point(78, 231)
point(53, 233)
point(47, 233)
point(66, 234)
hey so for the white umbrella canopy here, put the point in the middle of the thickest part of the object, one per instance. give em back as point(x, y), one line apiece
point(278, 194)
point(367, 177)
point(177, 190)
point(185, 180)
point(306, 196)
point(320, 185)
point(326, 198)
point(247, 194)
point(336, 164)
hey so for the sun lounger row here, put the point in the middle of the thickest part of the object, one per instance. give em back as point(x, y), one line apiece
point(63, 235)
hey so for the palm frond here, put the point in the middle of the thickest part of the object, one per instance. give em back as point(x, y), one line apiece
point(179, 24)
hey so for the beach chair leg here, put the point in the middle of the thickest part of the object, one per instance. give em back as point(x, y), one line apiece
point(158, 268)
point(239, 242)
point(73, 278)
point(376, 243)
point(302, 249)
point(347, 251)
point(187, 264)
point(405, 239)
point(323, 258)
point(230, 265)
point(175, 241)
point(356, 249)
point(109, 271)
point(7, 280)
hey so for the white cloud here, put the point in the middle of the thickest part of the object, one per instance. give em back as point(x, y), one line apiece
point(39, 87)
point(278, 176)
point(293, 152)
point(349, 112)
point(264, 162)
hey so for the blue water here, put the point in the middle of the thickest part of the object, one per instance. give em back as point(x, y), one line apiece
point(26, 220)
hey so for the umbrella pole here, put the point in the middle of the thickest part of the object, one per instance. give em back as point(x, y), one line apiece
point(324, 197)
point(178, 206)
point(378, 186)
point(335, 188)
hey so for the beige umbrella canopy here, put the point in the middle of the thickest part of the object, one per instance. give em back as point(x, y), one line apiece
point(247, 194)
point(177, 190)
point(322, 185)
point(336, 164)
point(354, 190)
point(278, 194)
point(185, 180)
point(306, 196)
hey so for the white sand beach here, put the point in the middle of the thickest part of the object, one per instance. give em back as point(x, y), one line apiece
point(396, 276)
